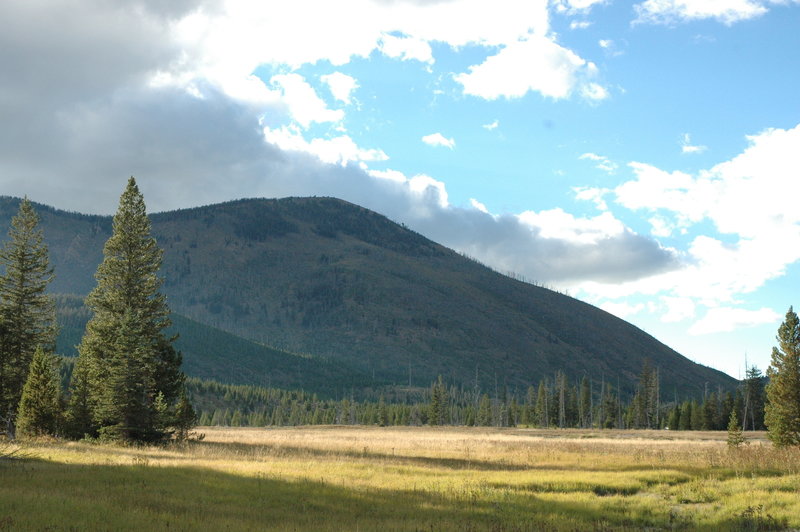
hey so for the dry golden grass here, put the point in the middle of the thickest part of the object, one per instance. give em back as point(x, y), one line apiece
point(401, 478)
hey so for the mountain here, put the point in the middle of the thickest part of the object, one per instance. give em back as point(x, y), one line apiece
point(210, 353)
point(347, 285)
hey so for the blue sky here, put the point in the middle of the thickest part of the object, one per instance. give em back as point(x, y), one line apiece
point(641, 156)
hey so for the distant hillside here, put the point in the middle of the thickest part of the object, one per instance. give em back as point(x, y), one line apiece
point(213, 354)
point(325, 277)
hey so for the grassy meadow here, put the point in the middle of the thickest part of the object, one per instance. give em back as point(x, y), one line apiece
point(400, 478)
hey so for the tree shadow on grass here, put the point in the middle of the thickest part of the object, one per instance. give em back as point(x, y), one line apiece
point(42, 495)
point(266, 451)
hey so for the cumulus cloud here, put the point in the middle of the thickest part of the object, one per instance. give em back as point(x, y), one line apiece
point(726, 319)
point(437, 139)
point(337, 150)
point(303, 102)
point(550, 69)
point(593, 194)
point(672, 11)
point(688, 147)
point(406, 48)
point(225, 45)
point(575, 6)
point(341, 85)
point(622, 309)
point(104, 90)
point(601, 162)
point(678, 308)
point(748, 199)
point(491, 126)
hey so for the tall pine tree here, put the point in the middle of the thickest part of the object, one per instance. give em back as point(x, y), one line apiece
point(40, 408)
point(27, 313)
point(129, 365)
point(782, 413)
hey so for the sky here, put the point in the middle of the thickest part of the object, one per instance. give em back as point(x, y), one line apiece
point(640, 156)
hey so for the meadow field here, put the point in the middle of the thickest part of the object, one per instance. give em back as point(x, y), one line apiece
point(401, 478)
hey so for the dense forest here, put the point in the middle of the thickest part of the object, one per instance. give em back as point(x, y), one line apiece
point(554, 402)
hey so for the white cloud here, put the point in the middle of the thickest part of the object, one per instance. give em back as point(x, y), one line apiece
point(622, 309)
point(678, 308)
point(671, 11)
point(226, 43)
point(661, 227)
point(751, 196)
point(338, 150)
point(579, 24)
point(751, 202)
point(437, 139)
point(726, 319)
point(341, 85)
point(550, 69)
point(605, 43)
point(478, 205)
point(406, 48)
point(601, 162)
point(492, 126)
point(594, 92)
point(556, 223)
point(688, 147)
point(576, 6)
point(593, 194)
point(303, 102)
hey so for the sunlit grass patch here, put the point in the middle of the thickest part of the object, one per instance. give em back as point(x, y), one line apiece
point(334, 478)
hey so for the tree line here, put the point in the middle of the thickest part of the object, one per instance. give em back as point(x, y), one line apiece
point(127, 384)
point(554, 403)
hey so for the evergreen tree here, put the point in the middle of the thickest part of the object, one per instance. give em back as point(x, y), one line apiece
point(542, 410)
point(735, 436)
point(383, 412)
point(27, 313)
point(585, 403)
point(79, 413)
point(40, 408)
point(685, 419)
point(438, 409)
point(644, 407)
point(782, 415)
point(696, 418)
point(484, 418)
point(753, 399)
point(609, 405)
point(125, 356)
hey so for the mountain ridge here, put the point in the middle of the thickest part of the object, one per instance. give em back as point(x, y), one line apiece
point(326, 277)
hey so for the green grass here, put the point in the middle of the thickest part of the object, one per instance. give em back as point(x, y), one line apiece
point(403, 479)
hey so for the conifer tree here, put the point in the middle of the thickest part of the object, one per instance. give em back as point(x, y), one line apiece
point(753, 399)
point(383, 412)
point(735, 436)
point(484, 417)
point(584, 403)
point(27, 313)
point(79, 413)
point(782, 413)
point(542, 410)
point(125, 356)
point(40, 408)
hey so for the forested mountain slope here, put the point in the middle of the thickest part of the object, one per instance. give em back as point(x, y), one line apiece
point(334, 280)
